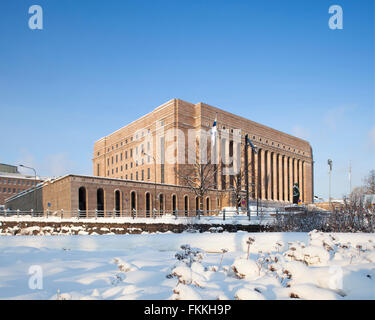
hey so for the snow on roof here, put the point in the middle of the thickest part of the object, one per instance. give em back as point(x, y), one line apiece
point(20, 176)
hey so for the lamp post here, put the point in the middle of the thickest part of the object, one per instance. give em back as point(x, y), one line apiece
point(146, 154)
point(35, 201)
point(330, 172)
point(253, 148)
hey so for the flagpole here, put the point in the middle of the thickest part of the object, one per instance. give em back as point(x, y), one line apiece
point(350, 177)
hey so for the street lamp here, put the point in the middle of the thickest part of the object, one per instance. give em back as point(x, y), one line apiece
point(35, 201)
point(253, 148)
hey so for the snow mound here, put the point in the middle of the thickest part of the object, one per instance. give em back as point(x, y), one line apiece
point(248, 294)
point(124, 266)
point(184, 292)
point(245, 269)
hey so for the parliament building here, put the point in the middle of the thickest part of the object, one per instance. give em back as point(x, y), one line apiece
point(139, 167)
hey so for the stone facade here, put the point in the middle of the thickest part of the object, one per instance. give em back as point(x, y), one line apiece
point(138, 167)
point(73, 192)
point(281, 160)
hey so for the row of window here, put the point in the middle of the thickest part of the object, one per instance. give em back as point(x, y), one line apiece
point(16, 181)
point(141, 135)
point(11, 190)
point(121, 156)
point(142, 177)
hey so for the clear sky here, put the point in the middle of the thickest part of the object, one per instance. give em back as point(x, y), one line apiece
point(98, 65)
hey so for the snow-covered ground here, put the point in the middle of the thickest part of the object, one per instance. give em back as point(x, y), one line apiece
point(167, 219)
point(145, 266)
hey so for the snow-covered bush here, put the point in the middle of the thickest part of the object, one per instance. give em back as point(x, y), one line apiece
point(189, 271)
point(184, 292)
point(189, 255)
point(244, 268)
point(124, 266)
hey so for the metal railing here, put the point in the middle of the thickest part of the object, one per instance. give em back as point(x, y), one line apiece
point(188, 216)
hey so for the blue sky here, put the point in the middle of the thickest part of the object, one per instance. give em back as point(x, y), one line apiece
point(98, 65)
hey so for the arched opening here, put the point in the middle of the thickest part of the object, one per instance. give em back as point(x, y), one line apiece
point(118, 202)
point(133, 201)
point(208, 206)
point(161, 204)
point(100, 202)
point(186, 205)
point(148, 204)
point(174, 204)
point(82, 201)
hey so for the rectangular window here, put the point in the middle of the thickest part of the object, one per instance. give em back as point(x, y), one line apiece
point(116, 158)
point(131, 153)
point(136, 176)
point(98, 169)
point(143, 175)
point(126, 154)
point(112, 159)
point(131, 176)
point(148, 173)
point(121, 156)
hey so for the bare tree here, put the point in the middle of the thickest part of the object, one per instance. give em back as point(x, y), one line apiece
point(369, 182)
point(238, 193)
point(199, 176)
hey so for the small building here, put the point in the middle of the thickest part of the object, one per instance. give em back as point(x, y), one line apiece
point(12, 182)
point(90, 196)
